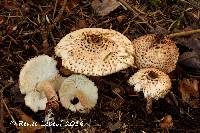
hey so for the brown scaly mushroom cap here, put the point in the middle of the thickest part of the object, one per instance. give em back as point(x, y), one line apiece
point(95, 51)
point(151, 52)
point(39, 80)
point(78, 93)
point(152, 82)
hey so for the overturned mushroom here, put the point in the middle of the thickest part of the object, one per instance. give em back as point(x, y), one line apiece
point(152, 82)
point(151, 51)
point(95, 51)
point(78, 93)
point(39, 80)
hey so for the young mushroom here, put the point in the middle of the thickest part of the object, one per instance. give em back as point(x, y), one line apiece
point(78, 93)
point(39, 80)
point(152, 82)
point(151, 51)
point(95, 51)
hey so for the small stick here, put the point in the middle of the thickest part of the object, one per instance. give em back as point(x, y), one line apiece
point(134, 12)
point(16, 125)
point(191, 3)
point(13, 40)
point(54, 11)
point(184, 33)
point(59, 16)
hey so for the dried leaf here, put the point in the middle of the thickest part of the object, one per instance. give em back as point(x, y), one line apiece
point(188, 89)
point(104, 7)
point(70, 5)
point(81, 23)
point(9, 5)
point(121, 18)
point(32, 126)
point(192, 42)
point(111, 115)
point(166, 122)
point(190, 60)
point(115, 126)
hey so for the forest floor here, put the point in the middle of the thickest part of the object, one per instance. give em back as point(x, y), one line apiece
point(31, 28)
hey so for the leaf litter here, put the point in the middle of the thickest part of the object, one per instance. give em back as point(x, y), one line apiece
point(22, 36)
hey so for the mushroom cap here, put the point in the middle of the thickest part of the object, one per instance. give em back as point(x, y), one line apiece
point(35, 101)
point(78, 93)
point(154, 83)
point(95, 51)
point(162, 55)
point(35, 70)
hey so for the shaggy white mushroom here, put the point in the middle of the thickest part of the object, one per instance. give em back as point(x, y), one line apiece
point(152, 82)
point(39, 80)
point(95, 51)
point(35, 101)
point(78, 93)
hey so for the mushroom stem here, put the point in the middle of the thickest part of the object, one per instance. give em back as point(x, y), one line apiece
point(49, 87)
point(149, 105)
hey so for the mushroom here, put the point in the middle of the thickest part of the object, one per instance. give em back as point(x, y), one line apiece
point(151, 51)
point(152, 82)
point(39, 80)
point(78, 93)
point(95, 51)
point(35, 101)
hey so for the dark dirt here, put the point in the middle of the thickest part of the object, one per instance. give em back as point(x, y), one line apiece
point(29, 28)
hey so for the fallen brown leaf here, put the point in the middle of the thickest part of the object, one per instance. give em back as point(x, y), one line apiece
point(104, 7)
point(80, 23)
point(166, 122)
point(121, 18)
point(192, 42)
point(188, 89)
point(31, 125)
point(70, 5)
point(115, 126)
point(190, 60)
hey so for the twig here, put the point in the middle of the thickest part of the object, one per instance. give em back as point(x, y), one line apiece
point(54, 11)
point(13, 40)
point(7, 86)
point(59, 16)
point(135, 13)
point(50, 27)
point(184, 33)
point(191, 3)
point(15, 123)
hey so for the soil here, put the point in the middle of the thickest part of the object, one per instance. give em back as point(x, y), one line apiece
point(31, 28)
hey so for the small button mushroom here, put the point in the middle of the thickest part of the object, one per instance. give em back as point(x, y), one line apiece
point(95, 51)
point(152, 82)
point(39, 80)
point(151, 51)
point(78, 93)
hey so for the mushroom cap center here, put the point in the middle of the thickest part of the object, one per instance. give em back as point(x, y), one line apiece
point(152, 75)
point(74, 101)
point(94, 38)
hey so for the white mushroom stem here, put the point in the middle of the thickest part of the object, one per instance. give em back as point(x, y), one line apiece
point(49, 87)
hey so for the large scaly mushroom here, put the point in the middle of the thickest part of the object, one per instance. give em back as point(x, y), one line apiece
point(95, 51)
point(151, 51)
